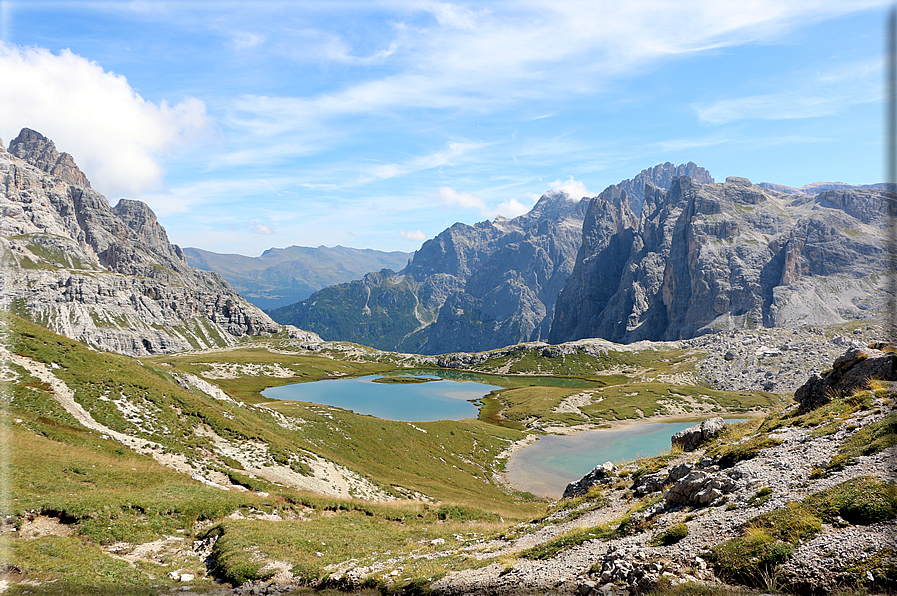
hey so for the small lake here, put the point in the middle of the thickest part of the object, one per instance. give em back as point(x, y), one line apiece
point(438, 399)
point(546, 467)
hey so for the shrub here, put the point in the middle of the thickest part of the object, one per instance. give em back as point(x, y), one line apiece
point(861, 501)
point(872, 439)
point(748, 558)
point(671, 535)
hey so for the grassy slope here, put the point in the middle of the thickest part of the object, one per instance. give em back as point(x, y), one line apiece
point(108, 494)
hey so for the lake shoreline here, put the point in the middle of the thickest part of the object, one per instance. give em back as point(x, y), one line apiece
point(612, 425)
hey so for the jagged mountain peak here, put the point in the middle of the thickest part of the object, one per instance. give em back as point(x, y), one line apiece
point(36, 149)
point(709, 257)
point(141, 220)
point(107, 276)
point(660, 176)
point(556, 204)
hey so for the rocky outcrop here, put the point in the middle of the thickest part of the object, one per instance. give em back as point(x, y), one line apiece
point(106, 276)
point(691, 438)
point(711, 257)
point(851, 372)
point(699, 489)
point(39, 151)
point(600, 474)
point(660, 176)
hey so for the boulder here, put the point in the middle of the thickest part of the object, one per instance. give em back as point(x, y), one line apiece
point(601, 474)
point(690, 438)
point(850, 372)
point(699, 489)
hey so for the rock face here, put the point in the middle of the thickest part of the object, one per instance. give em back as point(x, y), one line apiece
point(660, 176)
point(480, 287)
point(852, 371)
point(710, 257)
point(106, 276)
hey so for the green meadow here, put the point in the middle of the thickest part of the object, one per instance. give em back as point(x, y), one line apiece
point(439, 484)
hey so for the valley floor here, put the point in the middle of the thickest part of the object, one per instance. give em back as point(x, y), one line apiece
point(172, 474)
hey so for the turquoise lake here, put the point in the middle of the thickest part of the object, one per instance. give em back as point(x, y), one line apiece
point(547, 466)
point(543, 468)
point(440, 399)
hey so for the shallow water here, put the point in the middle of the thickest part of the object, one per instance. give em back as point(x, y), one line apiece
point(441, 399)
point(547, 466)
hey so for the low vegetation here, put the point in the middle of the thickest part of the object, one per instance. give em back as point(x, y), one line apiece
point(101, 499)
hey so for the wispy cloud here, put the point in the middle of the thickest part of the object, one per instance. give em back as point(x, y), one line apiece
point(820, 94)
point(774, 106)
point(482, 60)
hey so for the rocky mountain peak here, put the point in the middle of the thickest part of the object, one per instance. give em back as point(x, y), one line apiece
point(710, 257)
point(141, 220)
point(661, 176)
point(36, 149)
point(106, 276)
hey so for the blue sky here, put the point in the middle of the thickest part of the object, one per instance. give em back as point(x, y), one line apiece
point(248, 125)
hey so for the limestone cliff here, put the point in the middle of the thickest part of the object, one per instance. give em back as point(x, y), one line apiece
point(478, 287)
point(104, 275)
point(706, 257)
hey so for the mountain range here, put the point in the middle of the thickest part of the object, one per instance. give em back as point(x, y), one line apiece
point(470, 288)
point(283, 276)
point(668, 254)
point(710, 257)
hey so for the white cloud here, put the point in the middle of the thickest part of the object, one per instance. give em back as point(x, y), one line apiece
point(257, 228)
point(449, 197)
point(417, 236)
point(115, 136)
point(574, 188)
point(510, 209)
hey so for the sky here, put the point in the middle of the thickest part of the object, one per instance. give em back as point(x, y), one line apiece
point(251, 125)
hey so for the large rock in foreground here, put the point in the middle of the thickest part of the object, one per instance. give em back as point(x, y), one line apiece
point(690, 438)
point(851, 372)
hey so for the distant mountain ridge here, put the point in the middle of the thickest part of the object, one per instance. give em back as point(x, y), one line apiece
point(471, 286)
point(282, 276)
point(107, 276)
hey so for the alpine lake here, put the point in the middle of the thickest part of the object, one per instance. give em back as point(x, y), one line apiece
point(543, 468)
